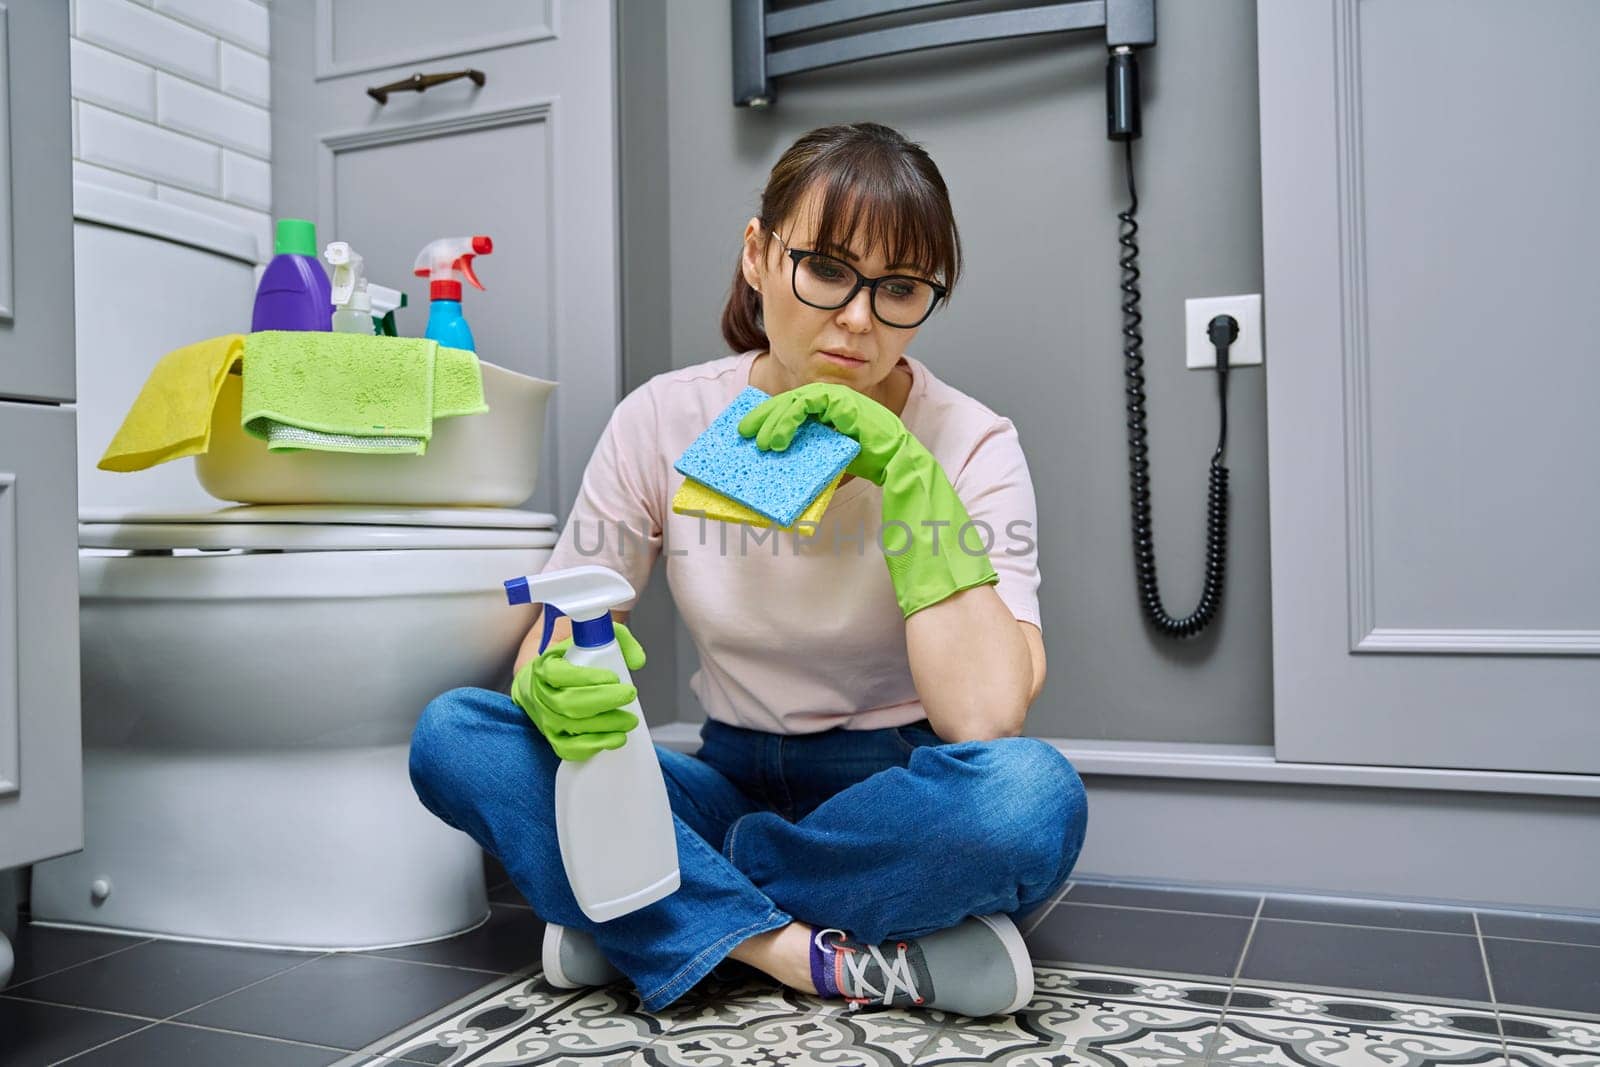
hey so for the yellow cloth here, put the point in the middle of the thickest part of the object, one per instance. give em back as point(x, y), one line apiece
point(172, 416)
point(696, 498)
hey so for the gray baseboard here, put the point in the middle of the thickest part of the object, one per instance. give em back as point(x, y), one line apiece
point(1231, 817)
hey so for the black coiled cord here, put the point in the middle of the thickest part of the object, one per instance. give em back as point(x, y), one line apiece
point(1223, 330)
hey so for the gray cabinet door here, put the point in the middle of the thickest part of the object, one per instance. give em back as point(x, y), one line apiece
point(1429, 227)
point(36, 346)
point(528, 158)
point(41, 757)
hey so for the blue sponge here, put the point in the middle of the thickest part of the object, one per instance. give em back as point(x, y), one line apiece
point(777, 485)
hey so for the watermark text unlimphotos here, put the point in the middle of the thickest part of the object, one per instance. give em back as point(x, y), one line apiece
point(893, 537)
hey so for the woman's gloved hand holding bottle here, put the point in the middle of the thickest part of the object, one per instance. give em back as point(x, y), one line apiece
point(916, 491)
point(579, 709)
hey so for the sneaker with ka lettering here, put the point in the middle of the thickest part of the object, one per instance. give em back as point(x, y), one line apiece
point(572, 960)
point(978, 967)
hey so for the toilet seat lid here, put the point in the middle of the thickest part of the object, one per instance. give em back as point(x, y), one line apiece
point(317, 527)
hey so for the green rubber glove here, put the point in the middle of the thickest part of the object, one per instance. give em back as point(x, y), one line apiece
point(916, 491)
point(578, 709)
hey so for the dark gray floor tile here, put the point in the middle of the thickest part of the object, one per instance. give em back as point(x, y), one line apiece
point(166, 1045)
point(509, 941)
point(1566, 929)
point(1370, 913)
point(1356, 957)
point(1024, 919)
point(41, 950)
point(340, 1001)
point(1131, 896)
point(1125, 937)
point(158, 978)
point(506, 893)
point(37, 1034)
point(1533, 974)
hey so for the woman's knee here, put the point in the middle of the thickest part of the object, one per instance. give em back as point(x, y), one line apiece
point(443, 736)
point(1035, 804)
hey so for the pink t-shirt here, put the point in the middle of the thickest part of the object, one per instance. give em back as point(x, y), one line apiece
point(796, 634)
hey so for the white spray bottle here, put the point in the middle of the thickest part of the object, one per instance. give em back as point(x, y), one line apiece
point(618, 841)
point(352, 305)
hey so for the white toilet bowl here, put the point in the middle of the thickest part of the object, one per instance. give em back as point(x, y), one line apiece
point(249, 690)
point(251, 675)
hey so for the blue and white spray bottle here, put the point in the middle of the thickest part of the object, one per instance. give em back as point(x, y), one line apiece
point(618, 841)
point(440, 262)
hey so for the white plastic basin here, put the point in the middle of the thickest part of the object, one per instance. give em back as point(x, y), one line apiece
point(487, 460)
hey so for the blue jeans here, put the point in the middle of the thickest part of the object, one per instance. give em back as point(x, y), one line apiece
point(882, 833)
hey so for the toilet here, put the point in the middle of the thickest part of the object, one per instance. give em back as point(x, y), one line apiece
point(251, 673)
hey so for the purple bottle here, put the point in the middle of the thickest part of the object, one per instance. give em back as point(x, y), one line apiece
point(294, 293)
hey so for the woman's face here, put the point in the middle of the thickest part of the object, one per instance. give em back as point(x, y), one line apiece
point(802, 336)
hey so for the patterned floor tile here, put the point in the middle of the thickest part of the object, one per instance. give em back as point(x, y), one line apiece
point(771, 1035)
point(1095, 1017)
point(503, 1018)
point(524, 1019)
point(1078, 1016)
point(1306, 1028)
point(1540, 1040)
point(955, 1048)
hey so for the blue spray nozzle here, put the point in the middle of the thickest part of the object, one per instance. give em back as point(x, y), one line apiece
point(586, 594)
point(517, 592)
point(551, 613)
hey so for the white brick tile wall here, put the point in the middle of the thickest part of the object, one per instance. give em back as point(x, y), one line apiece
point(244, 22)
point(106, 78)
point(257, 222)
point(171, 100)
point(111, 179)
point(147, 151)
point(246, 181)
point(246, 75)
point(149, 37)
point(206, 113)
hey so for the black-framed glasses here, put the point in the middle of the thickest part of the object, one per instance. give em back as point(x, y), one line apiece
point(827, 283)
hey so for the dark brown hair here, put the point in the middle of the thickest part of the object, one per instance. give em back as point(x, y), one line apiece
point(870, 177)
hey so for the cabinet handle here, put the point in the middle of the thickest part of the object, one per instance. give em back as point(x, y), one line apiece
point(420, 83)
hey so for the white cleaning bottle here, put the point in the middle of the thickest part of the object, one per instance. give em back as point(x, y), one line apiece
point(618, 841)
point(352, 305)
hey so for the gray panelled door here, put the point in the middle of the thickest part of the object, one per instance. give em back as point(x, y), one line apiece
point(529, 159)
point(1430, 235)
point(36, 351)
point(41, 757)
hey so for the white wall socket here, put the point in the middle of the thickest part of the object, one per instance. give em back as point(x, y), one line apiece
point(1245, 309)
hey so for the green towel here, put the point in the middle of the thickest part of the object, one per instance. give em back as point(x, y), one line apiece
point(352, 393)
point(457, 384)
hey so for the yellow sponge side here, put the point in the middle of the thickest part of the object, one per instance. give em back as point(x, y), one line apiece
point(695, 498)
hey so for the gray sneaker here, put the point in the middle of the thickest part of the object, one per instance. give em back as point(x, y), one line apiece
point(978, 967)
point(572, 960)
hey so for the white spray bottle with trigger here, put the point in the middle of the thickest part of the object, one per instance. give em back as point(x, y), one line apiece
point(352, 304)
point(618, 840)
